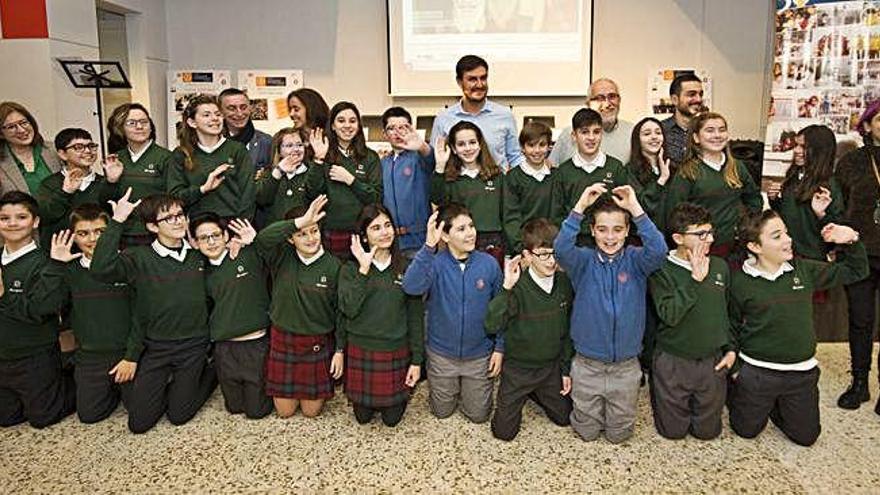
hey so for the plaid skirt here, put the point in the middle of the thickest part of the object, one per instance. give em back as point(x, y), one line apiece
point(376, 379)
point(338, 242)
point(298, 366)
point(492, 243)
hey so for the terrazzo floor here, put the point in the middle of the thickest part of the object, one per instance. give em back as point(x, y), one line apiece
point(220, 453)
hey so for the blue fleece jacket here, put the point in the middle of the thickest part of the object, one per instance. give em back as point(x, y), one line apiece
point(608, 317)
point(457, 300)
point(406, 187)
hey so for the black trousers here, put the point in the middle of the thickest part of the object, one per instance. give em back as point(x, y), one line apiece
point(35, 389)
point(97, 393)
point(862, 299)
point(542, 385)
point(687, 396)
point(173, 378)
point(241, 370)
point(788, 398)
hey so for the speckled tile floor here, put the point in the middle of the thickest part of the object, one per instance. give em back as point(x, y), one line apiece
point(219, 453)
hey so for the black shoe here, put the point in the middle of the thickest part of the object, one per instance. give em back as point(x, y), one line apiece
point(855, 394)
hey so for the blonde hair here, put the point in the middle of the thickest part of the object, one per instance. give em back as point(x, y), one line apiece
point(691, 166)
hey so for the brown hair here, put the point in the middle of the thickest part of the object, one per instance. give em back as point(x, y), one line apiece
point(278, 139)
point(88, 212)
point(488, 168)
point(532, 132)
point(187, 135)
point(691, 166)
point(6, 108)
point(116, 126)
point(538, 233)
point(751, 225)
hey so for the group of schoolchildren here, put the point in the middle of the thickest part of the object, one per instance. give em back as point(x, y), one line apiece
point(545, 276)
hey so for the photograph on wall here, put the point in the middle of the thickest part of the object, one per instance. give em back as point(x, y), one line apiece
point(184, 85)
point(659, 102)
point(826, 68)
point(268, 90)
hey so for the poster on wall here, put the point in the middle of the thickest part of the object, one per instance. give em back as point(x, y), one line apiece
point(659, 103)
point(268, 90)
point(826, 66)
point(183, 85)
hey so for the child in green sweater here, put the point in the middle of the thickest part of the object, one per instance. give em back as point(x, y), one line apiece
point(532, 313)
point(693, 345)
point(239, 296)
point(285, 186)
point(529, 187)
point(382, 333)
point(33, 387)
point(100, 316)
point(771, 313)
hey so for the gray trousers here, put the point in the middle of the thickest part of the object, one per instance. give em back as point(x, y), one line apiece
point(687, 396)
point(464, 381)
point(605, 397)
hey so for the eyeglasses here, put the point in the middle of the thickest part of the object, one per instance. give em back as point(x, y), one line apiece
point(701, 234)
point(80, 147)
point(174, 218)
point(208, 238)
point(23, 124)
point(604, 98)
point(293, 146)
point(543, 256)
point(137, 123)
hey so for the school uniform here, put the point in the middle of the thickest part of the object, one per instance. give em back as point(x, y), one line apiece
point(278, 196)
point(382, 334)
point(171, 317)
point(773, 326)
point(693, 334)
point(56, 204)
point(101, 320)
point(607, 326)
point(234, 198)
point(484, 199)
point(345, 202)
point(533, 316)
point(239, 325)
point(651, 195)
point(528, 195)
point(803, 226)
point(458, 349)
point(304, 316)
point(32, 385)
point(144, 172)
point(406, 189)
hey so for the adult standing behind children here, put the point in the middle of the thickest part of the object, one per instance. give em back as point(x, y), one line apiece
point(25, 158)
point(237, 109)
point(686, 93)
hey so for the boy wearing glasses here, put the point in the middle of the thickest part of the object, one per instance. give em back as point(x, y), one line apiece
point(694, 348)
point(100, 317)
point(532, 312)
point(239, 313)
point(75, 184)
point(170, 310)
point(406, 179)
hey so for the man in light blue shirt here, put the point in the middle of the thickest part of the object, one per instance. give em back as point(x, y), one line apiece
point(496, 121)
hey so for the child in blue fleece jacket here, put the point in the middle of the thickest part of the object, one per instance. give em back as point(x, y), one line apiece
point(608, 317)
point(459, 283)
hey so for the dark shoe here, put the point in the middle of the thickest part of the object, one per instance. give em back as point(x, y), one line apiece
point(855, 394)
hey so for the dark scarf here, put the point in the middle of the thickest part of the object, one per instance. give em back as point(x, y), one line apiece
point(247, 133)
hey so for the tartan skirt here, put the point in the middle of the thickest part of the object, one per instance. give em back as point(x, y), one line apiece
point(376, 379)
point(338, 242)
point(298, 366)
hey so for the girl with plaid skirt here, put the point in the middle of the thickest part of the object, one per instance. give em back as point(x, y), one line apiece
point(301, 368)
point(382, 330)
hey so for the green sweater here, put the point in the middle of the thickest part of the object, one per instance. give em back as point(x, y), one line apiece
point(484, 199)
point(56, 205)
point(235, 197)
point(377, 314)
point(773, 320)
point(726, 204)
point(692, 316)
point(526, 199)
point(535, 324)
point(100, 312)
point(239, 294)
point(28, 319)
point(279, 196)
point(572, 180)
point(803, 225)
point(145, 178)
point(652, 196)
point(346, 201)
point(304, 297)
point(170, 302)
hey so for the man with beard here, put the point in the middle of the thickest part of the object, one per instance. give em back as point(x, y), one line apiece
point(236, 108)
point(686, 92)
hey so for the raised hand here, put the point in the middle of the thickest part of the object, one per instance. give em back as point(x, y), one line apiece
point(441, 154)
point(839, 234)
point(665, 166)
point(364, 258)
point(314, 214)
point(72, 180)
point(512, 271)
point(434, 231)
point(699, 262)
point(62, 243)
point(589, 196)
point(625, 197)
point(318, 142)
point(338, 173)
point(215, 178)
point(774, 189)
point(122, 209)
point(112, 168)
point(821, 200)
point(411, 139)
point(244, 231)
point(288, 164)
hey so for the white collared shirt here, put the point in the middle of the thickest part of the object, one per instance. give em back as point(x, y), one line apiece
point(545, 283)
point(165, 252)
point(86, 181)
point(219, 260)
point(85, 262)
point(750, 267)
point(589, 166)
point(211, 149)
point(8, 257)
point(312, 259)
point(470, 172)
point(382, 265)
point(673, 257)
point(137, 156)
point(716, 166)
point(538, 174)
point(299, 170)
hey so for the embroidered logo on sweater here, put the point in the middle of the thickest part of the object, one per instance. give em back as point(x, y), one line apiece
point(151, 168)
point(490, 185)
point(16, 287)
point(719, 280)
point(323, 283)
point(797, 284)
point(241, 272)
